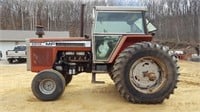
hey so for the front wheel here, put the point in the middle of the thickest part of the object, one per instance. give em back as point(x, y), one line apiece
point(10, 61)
point(48, 85)
point(145, 73)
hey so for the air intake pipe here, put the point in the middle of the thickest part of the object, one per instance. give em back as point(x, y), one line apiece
point(39, 31)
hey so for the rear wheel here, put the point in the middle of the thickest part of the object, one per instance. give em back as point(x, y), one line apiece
point(111, 75)
point(22, 60)
point(48, 85)
point(145, 73)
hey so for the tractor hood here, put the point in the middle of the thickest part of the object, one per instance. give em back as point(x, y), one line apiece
point(42, 52)
point(61, 42)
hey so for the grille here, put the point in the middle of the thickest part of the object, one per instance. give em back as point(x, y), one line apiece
point(41, 56)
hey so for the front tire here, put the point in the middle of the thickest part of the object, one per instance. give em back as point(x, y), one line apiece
point(10, 61)
point(48, 85)
point(145, 73)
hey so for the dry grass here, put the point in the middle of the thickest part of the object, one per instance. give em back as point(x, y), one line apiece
point(82, 96)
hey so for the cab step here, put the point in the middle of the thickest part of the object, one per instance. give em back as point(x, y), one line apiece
point(94, 79)
point(98, 71)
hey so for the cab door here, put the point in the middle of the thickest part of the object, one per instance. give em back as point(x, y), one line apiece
point(108, 28)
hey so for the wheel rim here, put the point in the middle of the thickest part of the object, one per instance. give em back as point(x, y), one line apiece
point(147, 75)
point(47, 86)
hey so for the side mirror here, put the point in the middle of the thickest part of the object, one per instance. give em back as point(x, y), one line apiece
point(150, 27)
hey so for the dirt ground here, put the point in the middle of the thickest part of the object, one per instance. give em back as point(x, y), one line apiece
point(82, 96)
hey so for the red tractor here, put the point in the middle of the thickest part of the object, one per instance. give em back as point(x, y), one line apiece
point(143, 71)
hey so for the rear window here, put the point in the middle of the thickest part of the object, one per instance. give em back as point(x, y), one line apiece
point(20, 48)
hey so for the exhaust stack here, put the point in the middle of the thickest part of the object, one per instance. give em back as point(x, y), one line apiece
point(82, 20)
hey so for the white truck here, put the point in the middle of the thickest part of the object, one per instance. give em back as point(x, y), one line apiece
point(18, 54)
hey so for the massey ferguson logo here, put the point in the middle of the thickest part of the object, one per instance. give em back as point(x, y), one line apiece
point(50, 44)
point(43, 44)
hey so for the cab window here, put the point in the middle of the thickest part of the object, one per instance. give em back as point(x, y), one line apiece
point(119, 22)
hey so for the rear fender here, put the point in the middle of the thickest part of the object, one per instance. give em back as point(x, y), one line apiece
point(126, 41)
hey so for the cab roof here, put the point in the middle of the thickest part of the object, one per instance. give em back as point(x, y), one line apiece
point(120, 8)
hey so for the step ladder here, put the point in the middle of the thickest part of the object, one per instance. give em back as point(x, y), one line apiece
point(94, 72)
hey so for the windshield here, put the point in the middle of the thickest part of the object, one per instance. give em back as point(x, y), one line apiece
point(119, 22)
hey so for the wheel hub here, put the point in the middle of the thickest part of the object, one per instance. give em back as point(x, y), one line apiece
point(47, 86)
point(151, 76)
point(145, 75)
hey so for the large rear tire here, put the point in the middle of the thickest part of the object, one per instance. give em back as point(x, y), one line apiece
point(145, 73)
point(48, 85)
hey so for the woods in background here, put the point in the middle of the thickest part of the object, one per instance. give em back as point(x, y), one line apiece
point(176, 20)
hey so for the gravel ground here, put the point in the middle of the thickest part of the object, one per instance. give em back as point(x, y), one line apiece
point(82, 96)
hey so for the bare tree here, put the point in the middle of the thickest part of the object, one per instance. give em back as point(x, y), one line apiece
point(176, 20)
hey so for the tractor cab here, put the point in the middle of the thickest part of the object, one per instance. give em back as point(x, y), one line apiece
point(111, 24)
